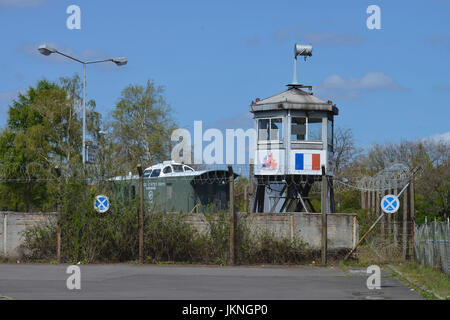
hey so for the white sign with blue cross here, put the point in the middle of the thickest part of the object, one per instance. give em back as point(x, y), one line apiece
point(101, 203)
point(390, 203)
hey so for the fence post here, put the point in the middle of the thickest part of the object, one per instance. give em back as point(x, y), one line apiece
point(58, 224)
point(372, 202)
point(141, 213)
point(435, 249)
point(250, 184)
point(232, 222)
point(427, 243)
point(362, 200)
point(5, 231)
point(324, 216)
point(411, 213)
point(396, 223)
point(377, 211)
point(404, 225)
point(366, 195)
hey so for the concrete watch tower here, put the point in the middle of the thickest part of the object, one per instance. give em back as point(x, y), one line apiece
point(294, 141)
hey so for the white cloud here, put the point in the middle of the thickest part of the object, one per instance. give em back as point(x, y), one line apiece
point(336, 87)
point(370, 81)
point(441, 137)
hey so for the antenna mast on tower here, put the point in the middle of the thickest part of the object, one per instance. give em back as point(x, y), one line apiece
point(304, 50)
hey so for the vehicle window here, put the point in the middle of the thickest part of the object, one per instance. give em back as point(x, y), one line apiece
point(147, 173)
point(177, 168)
point(167, 169)
point(188, 169)
point(155, 173)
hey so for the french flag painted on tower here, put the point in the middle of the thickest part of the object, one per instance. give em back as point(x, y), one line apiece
point(307, 161)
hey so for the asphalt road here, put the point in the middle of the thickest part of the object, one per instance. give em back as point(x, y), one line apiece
point(125, 281)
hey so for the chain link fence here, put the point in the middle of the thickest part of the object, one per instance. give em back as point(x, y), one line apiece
point(432, 245)
point(392, 240)
point(395, 240)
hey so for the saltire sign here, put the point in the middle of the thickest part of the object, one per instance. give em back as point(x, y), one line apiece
point(101, 203)
point(390, 203)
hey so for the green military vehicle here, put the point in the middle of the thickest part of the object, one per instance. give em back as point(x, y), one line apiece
point(176, 187)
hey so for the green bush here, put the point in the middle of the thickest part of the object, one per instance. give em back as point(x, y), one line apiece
point(39, 241)
point(264, 247)
point(114, 236)
point(167, 237)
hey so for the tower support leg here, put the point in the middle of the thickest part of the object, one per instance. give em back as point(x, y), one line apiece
point(258, 205)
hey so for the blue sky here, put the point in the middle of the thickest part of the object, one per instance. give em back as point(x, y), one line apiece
point(215, 57)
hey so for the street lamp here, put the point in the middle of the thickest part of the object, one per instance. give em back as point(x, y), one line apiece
point(47, 50)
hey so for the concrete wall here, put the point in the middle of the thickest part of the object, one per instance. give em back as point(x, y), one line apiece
point(11, 227)
point(342, 228)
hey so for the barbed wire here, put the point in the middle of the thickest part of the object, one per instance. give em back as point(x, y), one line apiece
point(395, 176)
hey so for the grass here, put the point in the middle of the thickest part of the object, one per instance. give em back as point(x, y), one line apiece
point(366, 257)
point(427, 277)
point(7, 260)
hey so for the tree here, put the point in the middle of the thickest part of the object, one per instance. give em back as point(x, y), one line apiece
point(11, 190)
point(142, 126)
point(344, 149)
point(432, 187)
point(433, 181)
point(43, 130)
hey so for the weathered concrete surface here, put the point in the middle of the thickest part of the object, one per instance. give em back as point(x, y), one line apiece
point(15, 223)
point(195, 282)
point(342, 227)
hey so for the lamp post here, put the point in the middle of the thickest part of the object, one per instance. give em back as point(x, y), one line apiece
point(102, 135)
point(47, 50)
